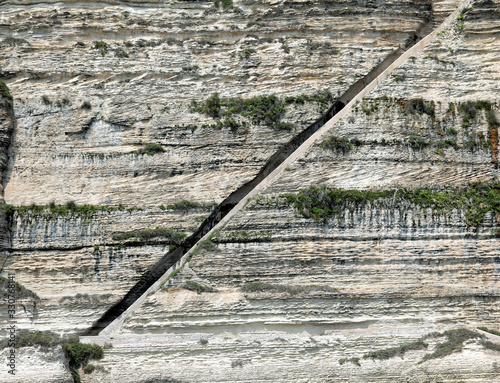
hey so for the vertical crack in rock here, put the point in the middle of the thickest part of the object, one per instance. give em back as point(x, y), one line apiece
point(152, 275)
point(6, 128)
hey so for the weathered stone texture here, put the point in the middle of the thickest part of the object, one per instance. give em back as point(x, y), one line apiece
point(382, 275)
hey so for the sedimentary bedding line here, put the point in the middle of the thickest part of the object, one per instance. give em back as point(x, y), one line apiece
point(274, 167)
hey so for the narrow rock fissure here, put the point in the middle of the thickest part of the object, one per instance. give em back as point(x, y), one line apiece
point(7, 122)
point(155, 272)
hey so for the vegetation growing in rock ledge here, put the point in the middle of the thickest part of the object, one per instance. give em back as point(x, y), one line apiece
point(5, 92)
point(419, 106)
point(28, 338)
point(53, 211)
point(491, 345)
point(261, 110)
point(79, 355)
point(149, 149)
point(340, 144)
point(321, 202)
point(20, 290)
point(199, 288)
point(101, 46)
point(396, 351)
point(224, 3)
point(254, 287)
point(469, 112)
point(141, 235)
point(486, 329)
point(454, 342)
point(187, 205)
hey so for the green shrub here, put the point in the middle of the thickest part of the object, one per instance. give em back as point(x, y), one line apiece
point(469, 111)
point(475, 141)
point(122, 54)
point(46, 100)
point(150, 149)
point(338, 144)
point(454, 343)
point(494, 332)
point(396, 351)
point(194, 286)
point(52, 210)
point(79, 354)
point(89, 368)
point(261, 110)
point(147, 234)
point(283, 126)
point(246, 53)
point(351, 360)
point(21, 291)
point(320, 202)
point(324, 99)
point(101, 46)
point(417, 142)
point(185, 205)
point(448, 143)
point(5, 92)
point(369, 109)
point(491, 345)
point(212, 106)
point(27, 338)
point(253, 287)
point(419, 106)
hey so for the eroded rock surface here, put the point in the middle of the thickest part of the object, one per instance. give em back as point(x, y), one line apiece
point(275, 296)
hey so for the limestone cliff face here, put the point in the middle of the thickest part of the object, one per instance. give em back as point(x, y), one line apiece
point(93, 85)
point(275, 296)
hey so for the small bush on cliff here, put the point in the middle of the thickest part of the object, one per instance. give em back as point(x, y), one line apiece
point(469, 110)
point(101, 46)
point(146, 234)
point(150, 149)
point(337, 144)
point(20, 290)
point(5, 92)
point(396, 351)
point(417, 142)
point(195, 286)
point(184, 205)
point(225, 3)
point(419, 106)
point(262, 110)
point(89, 369)
point(491, 345)
point(454, 343)
point(53, 210)
point(28, 338)
point(254, 287)
point(494, 332)
point(342, 144)
point(320, 202)
point(79, 354)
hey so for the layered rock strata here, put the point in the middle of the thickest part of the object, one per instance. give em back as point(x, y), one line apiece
point(273, 279)
point(275, 296)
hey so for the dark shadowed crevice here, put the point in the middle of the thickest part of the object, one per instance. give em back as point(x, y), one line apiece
point(7, 122)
